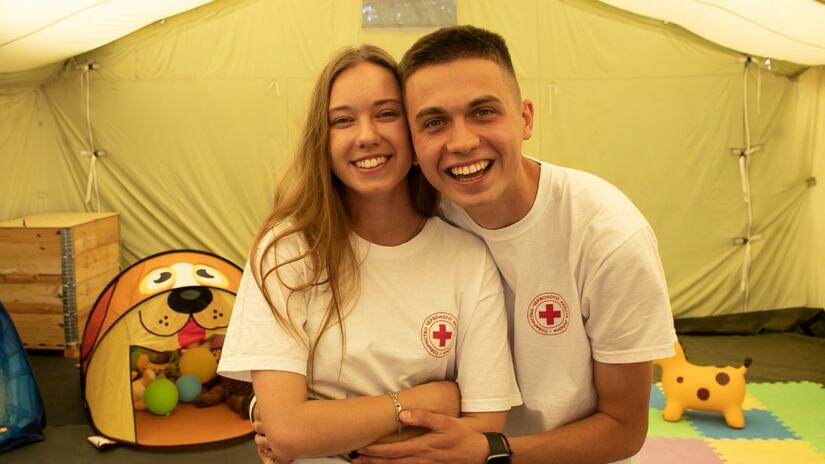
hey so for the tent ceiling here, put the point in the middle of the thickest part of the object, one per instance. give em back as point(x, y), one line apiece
point(789, 30)
point(35, 33)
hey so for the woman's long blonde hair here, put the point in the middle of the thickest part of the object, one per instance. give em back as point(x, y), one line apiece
point(309, 201)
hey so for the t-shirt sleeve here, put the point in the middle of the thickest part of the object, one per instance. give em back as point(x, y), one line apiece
point(255, 340)
point(485, 367)
point(626, 304)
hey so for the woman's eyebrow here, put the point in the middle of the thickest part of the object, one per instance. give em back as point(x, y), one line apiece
point(386, 100)
point(375, 103)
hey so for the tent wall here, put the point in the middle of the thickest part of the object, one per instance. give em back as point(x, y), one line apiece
point(199, 113)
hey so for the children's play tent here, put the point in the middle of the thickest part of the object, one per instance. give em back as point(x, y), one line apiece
point(709, 115)
point(156, 307)
point(22, 417)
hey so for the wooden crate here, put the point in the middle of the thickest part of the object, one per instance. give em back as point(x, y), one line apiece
point(52, 269)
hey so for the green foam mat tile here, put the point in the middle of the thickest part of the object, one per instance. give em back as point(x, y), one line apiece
point(798, 405)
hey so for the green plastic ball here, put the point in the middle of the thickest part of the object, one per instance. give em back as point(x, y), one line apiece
point(161, 397)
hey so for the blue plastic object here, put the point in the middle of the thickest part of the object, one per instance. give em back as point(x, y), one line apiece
point(21, 408)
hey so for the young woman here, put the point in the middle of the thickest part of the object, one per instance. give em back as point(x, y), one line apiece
point(356, 295)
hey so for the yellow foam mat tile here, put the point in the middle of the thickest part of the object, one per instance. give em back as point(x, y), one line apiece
point(752, 403)
point(766, 451)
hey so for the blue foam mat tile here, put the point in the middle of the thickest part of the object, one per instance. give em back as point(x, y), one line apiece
point(657, 398)
point(759, 424)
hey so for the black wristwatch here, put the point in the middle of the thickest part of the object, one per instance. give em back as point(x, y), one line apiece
point(500, 452)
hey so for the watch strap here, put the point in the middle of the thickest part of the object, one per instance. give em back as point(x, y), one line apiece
point(499, 447)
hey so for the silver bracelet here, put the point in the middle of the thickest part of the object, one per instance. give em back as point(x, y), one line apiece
point(397, 407)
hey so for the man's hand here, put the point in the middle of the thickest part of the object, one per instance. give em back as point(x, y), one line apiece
point(449, 441)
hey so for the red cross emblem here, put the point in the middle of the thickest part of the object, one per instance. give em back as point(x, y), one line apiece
point(437, 333)
point(442, 334)
point(548, 314)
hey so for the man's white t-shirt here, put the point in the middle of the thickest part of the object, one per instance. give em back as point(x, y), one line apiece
point(583, 281)
point(429, 309)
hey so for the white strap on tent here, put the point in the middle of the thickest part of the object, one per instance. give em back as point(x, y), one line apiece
point(744, 175)
point(92, 152)
point(92, 181)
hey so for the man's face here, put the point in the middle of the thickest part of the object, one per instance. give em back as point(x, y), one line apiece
point(467, 126)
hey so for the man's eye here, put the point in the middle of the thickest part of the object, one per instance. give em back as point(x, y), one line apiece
point(484, 112)
point(432, 123)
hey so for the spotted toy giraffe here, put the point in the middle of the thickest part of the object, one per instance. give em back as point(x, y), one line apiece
point(707, 388)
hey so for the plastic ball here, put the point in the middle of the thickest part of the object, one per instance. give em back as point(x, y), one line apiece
point(189, 387)
point(200, 362)
point(133, 359)
point(161, 397)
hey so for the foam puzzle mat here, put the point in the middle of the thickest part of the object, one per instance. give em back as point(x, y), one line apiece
point(784, 423)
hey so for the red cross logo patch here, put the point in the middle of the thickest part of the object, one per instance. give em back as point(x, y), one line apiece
point(548, 314)
point(438, 334)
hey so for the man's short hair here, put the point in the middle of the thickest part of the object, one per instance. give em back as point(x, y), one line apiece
point(453, 43)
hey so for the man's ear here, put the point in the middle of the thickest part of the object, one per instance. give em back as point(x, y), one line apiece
point(527, 118)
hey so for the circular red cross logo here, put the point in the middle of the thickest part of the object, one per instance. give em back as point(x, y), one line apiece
point(548, 314)
point(438, 334)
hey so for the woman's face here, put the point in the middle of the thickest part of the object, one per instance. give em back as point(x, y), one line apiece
point(370, 147)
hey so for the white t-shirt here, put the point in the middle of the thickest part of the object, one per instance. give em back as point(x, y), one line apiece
point(583, 281)
point(429, 309)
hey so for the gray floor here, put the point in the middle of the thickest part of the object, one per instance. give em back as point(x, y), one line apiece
point(776, 357)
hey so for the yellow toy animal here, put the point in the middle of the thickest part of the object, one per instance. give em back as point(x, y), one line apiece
point(707, 388)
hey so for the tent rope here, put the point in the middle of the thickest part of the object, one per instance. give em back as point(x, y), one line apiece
point(92, 152)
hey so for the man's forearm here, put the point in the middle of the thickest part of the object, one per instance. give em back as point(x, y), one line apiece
point(616, 431)
point(595, 439)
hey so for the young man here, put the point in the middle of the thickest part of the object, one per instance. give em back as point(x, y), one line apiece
point(587, 299)
point(586, 295)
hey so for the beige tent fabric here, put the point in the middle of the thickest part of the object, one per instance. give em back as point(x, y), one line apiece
point(199, 114)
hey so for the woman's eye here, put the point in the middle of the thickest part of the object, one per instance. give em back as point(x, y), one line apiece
point(340, 121)
point(387, 114)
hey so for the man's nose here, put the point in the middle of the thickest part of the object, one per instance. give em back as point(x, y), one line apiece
point(462, 139)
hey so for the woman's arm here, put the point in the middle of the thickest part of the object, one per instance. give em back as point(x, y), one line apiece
point(297, 427)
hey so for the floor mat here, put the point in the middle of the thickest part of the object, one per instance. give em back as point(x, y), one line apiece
point(784, 422)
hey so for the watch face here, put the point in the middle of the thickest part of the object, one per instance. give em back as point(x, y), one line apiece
point(499, 459)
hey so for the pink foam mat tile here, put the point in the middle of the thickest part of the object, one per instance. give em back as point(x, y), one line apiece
point(677, 451)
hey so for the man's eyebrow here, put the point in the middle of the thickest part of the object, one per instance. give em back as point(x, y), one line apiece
point(434, 110)
point(429, 111)
point(484, 100)
point(383, 101)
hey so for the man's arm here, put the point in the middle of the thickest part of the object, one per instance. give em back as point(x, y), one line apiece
point(615, 431)
point(297, 427)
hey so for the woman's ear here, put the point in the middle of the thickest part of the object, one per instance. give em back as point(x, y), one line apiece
point(415, 160)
